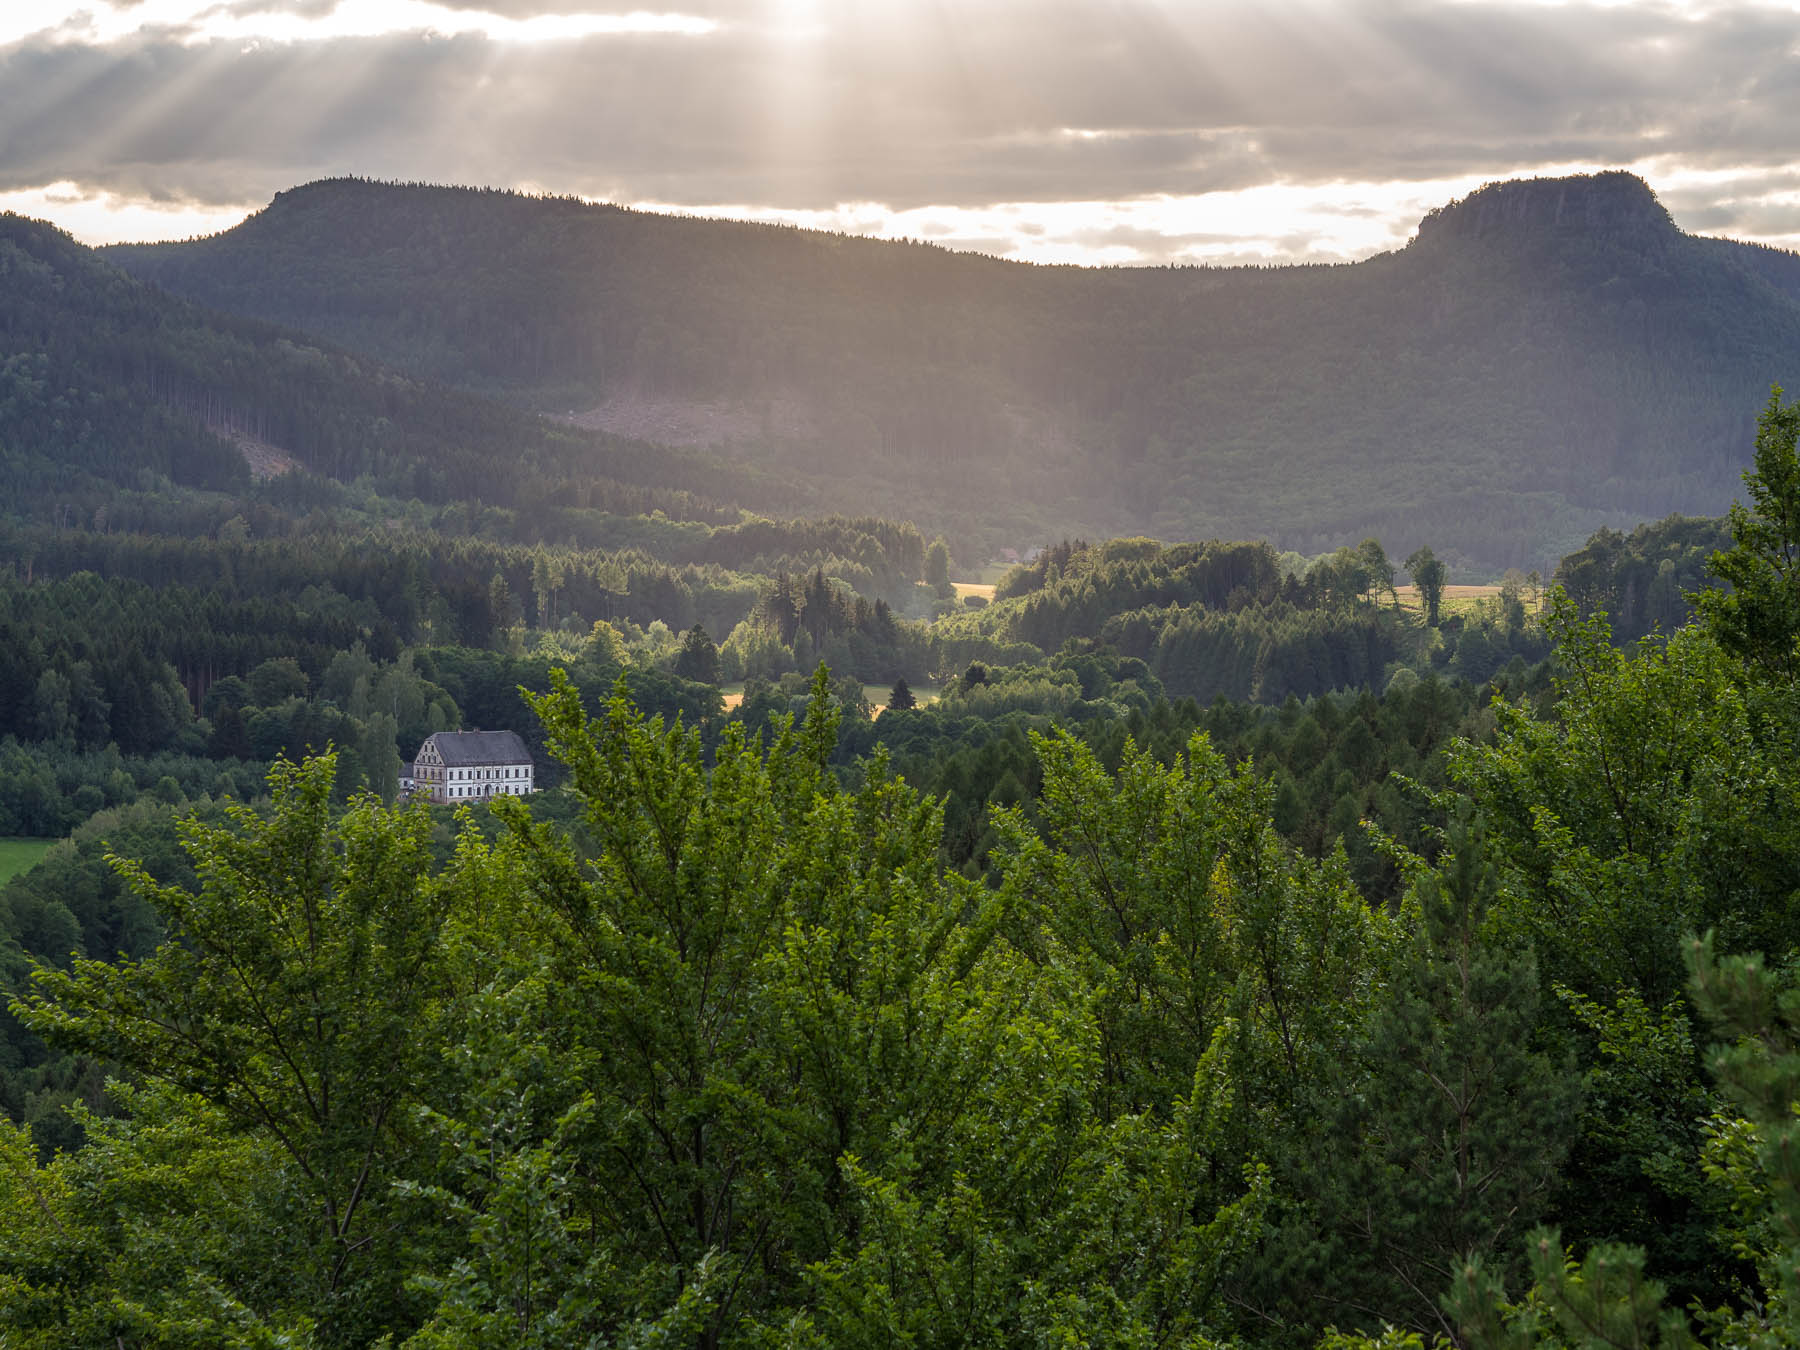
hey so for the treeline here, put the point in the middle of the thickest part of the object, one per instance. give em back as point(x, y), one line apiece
point(110, 639)
point(216, 607)
point(46, 790)
point(399, 568)
point(802, 621)
point(1071, 590)
point(121, 640)
point(1642, 580)
point(1226, 620)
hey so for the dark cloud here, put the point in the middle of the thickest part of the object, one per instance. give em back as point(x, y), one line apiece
point(947, 102)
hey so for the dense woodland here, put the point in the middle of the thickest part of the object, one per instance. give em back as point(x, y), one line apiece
point(115, 394)
point(717, 1046)
point(1201, 947)
point(1543, 359)
point(1059, 1010)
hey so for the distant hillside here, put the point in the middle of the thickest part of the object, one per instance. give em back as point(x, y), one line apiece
point(115, 394)
point(1544, 359)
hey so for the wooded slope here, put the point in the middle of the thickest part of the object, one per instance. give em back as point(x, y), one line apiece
point(114, 392)
point(1545, 358)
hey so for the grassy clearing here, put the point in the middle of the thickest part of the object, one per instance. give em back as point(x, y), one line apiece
point(1455, 600)
point(875, 695)
point(20, 855)
point(985, 589)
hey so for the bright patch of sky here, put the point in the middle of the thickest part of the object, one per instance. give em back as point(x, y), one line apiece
point(1274, 223)
point(96, 216)
point(200, 21)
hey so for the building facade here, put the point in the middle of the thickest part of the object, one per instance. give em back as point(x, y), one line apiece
point(461, 766)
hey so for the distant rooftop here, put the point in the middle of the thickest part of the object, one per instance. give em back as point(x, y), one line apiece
point(476, 749)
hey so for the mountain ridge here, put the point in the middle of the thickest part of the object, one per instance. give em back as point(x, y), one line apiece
point(1543, 358)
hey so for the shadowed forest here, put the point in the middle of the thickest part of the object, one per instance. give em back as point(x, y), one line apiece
point(1544, 359)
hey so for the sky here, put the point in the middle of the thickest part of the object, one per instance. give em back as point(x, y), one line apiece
point(1085, 131)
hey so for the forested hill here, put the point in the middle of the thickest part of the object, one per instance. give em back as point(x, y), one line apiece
point(118, 400)
point(1545, 358)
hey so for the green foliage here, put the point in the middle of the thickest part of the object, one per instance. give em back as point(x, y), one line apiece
point(1657, 801)
point(698, 659)
point(1758, 619)
point(1223, 619)
point(937, 566)
point(1607, 1299)
point(1429, 575)
point(297, 1002)
point(167, 1230)
point(1446, 1140)
point(1174, 894)
point(1653, 804)
point(1644, 580)
point(746, 1067)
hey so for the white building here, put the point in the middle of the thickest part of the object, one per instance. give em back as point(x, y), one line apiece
point(461, 766)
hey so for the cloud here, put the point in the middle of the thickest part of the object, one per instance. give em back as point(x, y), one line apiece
point(955, 105)
point(198, 22)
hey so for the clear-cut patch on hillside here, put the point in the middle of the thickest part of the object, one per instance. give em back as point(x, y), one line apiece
point(695, 422)
point(265, 460)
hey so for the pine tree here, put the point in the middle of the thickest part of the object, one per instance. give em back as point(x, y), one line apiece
point(1447, 1141)
point(1605, 1299)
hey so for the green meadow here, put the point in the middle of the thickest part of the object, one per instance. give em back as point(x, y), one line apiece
point(20, 855)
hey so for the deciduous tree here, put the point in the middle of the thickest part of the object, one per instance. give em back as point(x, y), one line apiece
point(1758, 619)
point(1428, 576)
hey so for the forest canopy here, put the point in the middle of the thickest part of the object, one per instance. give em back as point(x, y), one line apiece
point(731, 1057)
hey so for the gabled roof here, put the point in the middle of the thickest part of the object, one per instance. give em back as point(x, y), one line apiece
point(478, 749)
